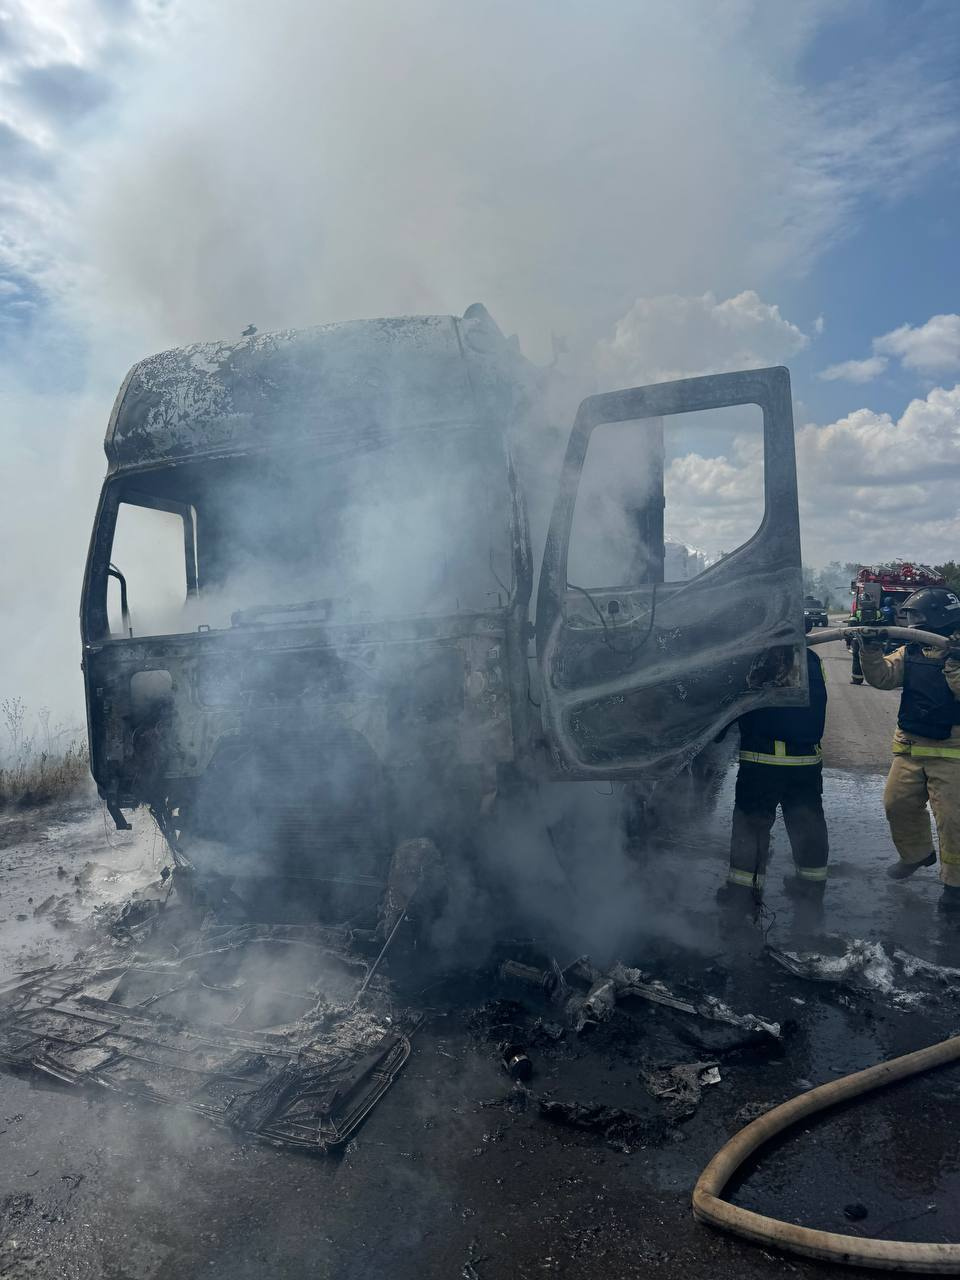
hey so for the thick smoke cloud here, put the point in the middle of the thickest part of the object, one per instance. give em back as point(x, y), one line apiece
point(305, 162)
point(341, 160)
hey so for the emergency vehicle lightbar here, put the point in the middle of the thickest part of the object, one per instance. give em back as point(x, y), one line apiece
point(900, 575)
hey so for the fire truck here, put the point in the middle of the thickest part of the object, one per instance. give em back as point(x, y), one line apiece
point(876, 583)
point(896, 581)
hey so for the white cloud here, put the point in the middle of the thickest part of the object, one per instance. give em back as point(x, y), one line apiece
point(716, 503)
point(342, 155)
point(855, 370)
point(672, 337)
point(871, 448)
point(315, 160)
point(59, 62)
point(872, 487)
point(933, 347)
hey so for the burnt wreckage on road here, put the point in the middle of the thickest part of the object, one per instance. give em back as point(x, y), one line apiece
point(326, 655)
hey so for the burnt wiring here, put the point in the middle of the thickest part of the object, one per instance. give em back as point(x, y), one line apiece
point(633, 649)
point(764, 917)
point(162, 815)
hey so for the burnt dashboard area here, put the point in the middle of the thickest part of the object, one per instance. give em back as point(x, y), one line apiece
point(274, 741)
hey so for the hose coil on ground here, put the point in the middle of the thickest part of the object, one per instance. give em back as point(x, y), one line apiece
point(828, 1246)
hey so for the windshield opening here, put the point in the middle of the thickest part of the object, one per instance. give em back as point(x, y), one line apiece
point(411, 527)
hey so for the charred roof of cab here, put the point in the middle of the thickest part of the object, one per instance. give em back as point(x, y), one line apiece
point(317, 386)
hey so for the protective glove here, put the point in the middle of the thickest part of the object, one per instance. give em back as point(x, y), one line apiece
point(869, 636)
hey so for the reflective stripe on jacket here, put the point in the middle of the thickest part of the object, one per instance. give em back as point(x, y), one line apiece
point(782, 755)
point(936, 750)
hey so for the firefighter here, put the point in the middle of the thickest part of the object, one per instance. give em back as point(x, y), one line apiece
point(888, 611)
point(780, 765)
point(863, 615)
point(926, 744)
point(856, 671)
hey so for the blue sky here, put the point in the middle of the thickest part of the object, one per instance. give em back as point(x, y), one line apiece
point(888, 259)
point(899, 262)
point(672, 189)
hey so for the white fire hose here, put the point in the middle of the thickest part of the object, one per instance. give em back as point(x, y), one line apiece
point(828, 1246)
point(909, 635)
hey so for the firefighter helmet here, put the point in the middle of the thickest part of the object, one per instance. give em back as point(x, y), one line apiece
point(932, 609)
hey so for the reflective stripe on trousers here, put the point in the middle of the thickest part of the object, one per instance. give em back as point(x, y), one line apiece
point(932, 753)
point(780, 756)
point(755, 881)
point(812, 873)
point(760, 791)
point(747, 879)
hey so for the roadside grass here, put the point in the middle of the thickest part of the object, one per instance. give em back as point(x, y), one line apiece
point(39, 761)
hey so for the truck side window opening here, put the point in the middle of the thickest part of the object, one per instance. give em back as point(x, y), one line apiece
point(710, 467)
point(148, 549)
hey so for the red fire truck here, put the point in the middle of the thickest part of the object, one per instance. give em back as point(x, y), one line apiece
point(896, 581)
point(876, 583)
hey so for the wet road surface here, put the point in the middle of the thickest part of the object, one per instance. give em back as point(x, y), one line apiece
point(859, 719)
point(444, 1179)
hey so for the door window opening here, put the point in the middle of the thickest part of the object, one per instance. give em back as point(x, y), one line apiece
point(149, 565)
point(663, 499)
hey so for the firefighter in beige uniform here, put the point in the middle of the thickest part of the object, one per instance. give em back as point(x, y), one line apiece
point(926, 744)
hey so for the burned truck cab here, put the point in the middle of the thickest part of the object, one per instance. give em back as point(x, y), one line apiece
point(307, 609)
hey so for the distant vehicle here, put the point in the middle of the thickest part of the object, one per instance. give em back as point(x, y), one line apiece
point(814, 610)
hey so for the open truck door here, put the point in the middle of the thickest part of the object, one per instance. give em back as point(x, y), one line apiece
point(636, 678)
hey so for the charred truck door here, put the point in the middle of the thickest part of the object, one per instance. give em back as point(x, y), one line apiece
point(639, 676)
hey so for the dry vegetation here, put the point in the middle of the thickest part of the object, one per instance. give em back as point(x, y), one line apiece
point(50, 762)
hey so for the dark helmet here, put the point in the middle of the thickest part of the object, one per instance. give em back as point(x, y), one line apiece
point(931, 609)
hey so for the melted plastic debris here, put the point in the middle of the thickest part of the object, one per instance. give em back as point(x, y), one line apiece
point(868, 966)
point(914, 966)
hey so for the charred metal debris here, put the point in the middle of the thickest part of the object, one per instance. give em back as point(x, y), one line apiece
point(552, 1013)
point(292, 1034)
point(253, 1027)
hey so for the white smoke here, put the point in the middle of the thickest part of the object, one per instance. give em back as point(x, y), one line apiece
point(304, 162)
point(309, 161)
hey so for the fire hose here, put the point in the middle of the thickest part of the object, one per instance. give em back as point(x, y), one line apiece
point(909, 635)
point(827, 1246)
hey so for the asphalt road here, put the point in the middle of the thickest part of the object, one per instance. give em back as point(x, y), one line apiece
point(860, 720)
point(444, 1179)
